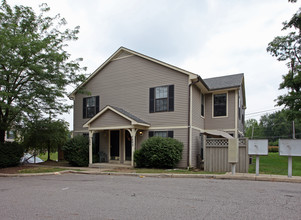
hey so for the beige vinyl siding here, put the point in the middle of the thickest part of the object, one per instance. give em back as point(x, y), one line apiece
point(125, 83)
point(104, 142)
point(242, 112)
point(109, 119)
point(122, 54)
point(195, 147)
point(182, 136)
point(197, 119)
point(220, 122)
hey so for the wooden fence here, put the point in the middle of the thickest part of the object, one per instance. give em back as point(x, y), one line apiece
point(216, 155)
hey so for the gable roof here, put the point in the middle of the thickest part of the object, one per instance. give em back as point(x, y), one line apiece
point(132, 118)
point(128, 52)
point(224, 82)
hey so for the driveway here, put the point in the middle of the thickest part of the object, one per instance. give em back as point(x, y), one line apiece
point(78, 196)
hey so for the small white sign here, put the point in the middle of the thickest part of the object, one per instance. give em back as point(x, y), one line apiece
point(258, 147)
point(289, 147)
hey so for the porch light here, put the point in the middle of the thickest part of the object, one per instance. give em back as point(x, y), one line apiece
point(141, 133)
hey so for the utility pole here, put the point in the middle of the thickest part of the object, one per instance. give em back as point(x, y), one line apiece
point(294, 137)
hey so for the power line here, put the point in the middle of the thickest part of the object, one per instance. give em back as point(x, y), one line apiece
point(254, 113)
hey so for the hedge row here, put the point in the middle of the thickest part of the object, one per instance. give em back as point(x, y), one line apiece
point(10, 154)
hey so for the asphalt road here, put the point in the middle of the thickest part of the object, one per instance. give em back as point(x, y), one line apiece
point(78, 196)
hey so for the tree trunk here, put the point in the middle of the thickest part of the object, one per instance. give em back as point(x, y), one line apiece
point(2, 136)
point(48, 152)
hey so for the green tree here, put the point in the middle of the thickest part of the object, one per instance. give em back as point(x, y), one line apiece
point(288, 48)
point(45, 135)
point(35, 68)
point(253, 129)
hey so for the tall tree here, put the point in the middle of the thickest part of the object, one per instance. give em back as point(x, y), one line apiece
point(35, 68)
point(45, 135)
point(288, 48)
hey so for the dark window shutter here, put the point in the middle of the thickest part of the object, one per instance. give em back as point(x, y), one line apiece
point(97, 104)
point(171, 98)
point(170, 134)
point(151, 100)
point(84, 108)
point(150, 134)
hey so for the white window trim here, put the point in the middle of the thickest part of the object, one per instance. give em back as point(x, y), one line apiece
point(227, 104)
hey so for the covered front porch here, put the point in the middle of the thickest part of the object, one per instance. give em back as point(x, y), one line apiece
point(119, 134)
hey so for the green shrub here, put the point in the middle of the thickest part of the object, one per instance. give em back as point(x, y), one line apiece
point(10, 154)
point(76, 151)
point(158, 152)
point(273, 149)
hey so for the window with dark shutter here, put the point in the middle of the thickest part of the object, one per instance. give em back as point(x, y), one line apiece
point(151, 100)
point(161, 99)
point(90, 106)
point(150, 134)
point(202, 105)
point(170, 134)
point(160, 134)
point(171, 98)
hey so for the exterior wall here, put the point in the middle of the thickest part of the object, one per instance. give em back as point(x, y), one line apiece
point(125, 83)
point(195, 147)
point(220, 122)
point(180, 134)
point(242, 112)
point(197, 119)
point(109, 119)
point(104, 143)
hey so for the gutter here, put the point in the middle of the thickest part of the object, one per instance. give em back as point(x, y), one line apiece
point(190, 118)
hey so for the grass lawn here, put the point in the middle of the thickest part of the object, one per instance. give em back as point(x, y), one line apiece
point(275, 164)
point(53, 156)
point(44, 170)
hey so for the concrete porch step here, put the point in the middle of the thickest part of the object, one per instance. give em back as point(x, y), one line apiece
point(110, 165)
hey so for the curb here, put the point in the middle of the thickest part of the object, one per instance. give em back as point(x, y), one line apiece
point(269, 178)
point(227, 176)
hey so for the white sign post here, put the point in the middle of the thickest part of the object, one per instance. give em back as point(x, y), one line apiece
point(233, 153)
point(290, 148)
point(257, 148)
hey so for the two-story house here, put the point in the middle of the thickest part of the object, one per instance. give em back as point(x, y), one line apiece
point(133, 97)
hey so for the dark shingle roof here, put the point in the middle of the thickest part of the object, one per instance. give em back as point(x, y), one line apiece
point(224, 82)
point(128, 115)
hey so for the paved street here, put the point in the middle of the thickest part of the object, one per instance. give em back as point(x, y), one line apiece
point(74, 196)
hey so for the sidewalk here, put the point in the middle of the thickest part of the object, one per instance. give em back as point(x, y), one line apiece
point(227, 176)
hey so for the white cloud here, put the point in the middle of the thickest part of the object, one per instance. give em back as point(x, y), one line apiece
point(211, 38)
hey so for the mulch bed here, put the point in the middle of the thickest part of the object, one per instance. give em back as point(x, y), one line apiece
point(13, 170)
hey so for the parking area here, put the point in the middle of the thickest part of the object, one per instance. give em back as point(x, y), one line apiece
point(78, 196)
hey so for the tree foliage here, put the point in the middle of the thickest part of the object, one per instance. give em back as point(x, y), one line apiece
point(76, 151)
point(35, 68)
point(45, 135)
point(288, 48)
point(10, 154)
point(273, 127)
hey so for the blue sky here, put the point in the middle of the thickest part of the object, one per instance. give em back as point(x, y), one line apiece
point(207, 37)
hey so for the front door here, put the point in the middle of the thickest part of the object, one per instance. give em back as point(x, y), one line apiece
point(114, 140)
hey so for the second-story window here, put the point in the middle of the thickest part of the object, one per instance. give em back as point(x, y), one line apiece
point(220, 105)
point(161, 99)
point(90, 106)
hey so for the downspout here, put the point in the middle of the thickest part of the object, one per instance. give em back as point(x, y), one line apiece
point(189, 119)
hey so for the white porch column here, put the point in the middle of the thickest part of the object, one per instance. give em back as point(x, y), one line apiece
point(90, 147)
point(133, 132)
